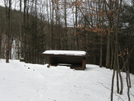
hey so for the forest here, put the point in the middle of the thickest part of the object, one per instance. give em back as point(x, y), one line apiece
point(102, 28)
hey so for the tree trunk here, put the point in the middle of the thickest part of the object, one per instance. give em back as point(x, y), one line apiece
point(65, 19)
point(76, 26)
point(52, 24)
point(8, 48)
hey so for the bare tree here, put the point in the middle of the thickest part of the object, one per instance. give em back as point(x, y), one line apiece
point(8, 5)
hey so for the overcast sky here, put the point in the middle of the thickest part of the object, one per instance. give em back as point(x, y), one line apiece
point(70, 16)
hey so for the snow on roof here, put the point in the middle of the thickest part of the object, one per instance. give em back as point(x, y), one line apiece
point(65, 52)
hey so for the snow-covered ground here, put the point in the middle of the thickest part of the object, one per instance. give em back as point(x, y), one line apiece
point(31, 82)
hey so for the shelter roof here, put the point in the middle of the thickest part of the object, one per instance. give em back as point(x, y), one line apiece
point(65, 52)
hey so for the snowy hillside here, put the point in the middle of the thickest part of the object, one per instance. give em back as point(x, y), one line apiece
point(30, 82)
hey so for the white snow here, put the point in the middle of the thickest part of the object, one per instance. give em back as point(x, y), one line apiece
point(65, 52)
point(31, 82)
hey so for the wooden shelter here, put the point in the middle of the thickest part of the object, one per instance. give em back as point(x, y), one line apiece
point(74, 59)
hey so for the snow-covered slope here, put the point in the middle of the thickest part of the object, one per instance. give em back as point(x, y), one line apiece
point(31, 82)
